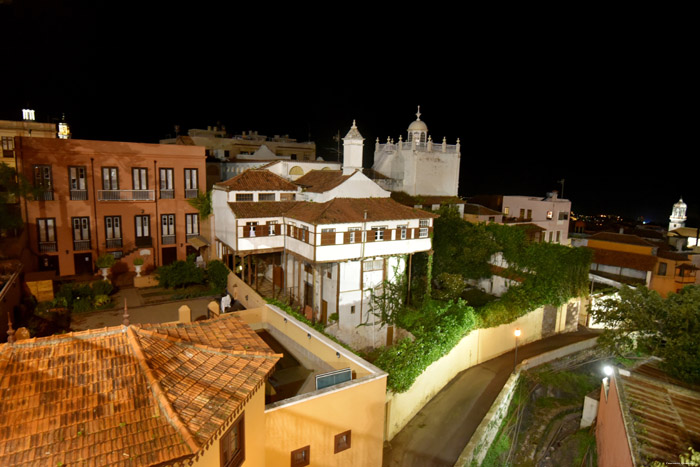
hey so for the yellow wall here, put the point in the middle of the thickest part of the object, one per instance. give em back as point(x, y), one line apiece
point(254, 436)
point(476, 347)
point(615, 246)
point(242, 292)
point(315, 421)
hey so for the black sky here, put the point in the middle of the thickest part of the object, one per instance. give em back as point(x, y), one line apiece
point(607, 107)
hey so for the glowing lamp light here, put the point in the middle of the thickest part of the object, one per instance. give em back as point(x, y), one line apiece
point(517, 333)
point(607, 369)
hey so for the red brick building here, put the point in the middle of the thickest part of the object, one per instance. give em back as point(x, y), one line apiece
point(126, 199)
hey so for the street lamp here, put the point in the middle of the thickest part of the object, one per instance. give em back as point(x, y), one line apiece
point(517, 334)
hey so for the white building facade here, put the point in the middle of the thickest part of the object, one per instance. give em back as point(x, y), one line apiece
point(418, 166)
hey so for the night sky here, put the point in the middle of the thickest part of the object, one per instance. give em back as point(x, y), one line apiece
point(606, 111)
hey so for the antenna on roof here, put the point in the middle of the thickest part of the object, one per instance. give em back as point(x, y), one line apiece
point(126, 314)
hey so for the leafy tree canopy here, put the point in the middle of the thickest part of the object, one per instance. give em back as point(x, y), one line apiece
point(12, 186)
point(668, 328)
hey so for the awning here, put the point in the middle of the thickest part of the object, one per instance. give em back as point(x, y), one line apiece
point(198, 241)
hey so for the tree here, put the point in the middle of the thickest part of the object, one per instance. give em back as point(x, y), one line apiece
point(12, 187)
point(667, 328)
point(202, 203)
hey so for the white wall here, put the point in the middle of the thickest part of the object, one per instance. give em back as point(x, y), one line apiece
point(224, 219)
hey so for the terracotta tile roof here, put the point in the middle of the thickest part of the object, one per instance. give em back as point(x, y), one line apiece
point(664, 417)
point(335, 211)
point(620, 238)
point(257, 180)
point(470, 208)
point(320, 181)
point(624, 259)
point(251, 209)
point(126, 395)
point(352, 210)
point(409, 200)
point(672, 255)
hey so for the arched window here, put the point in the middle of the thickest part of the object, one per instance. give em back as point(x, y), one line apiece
point(296, 170)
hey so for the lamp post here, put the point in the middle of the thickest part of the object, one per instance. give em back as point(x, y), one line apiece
point(517, 334)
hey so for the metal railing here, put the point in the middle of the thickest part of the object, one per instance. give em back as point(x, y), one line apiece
point(45, 195)
point(167, 194)
point(48, 247)
point(114, 243)
point(191, 193)
point(126, 195)
point(78, 195)
point(167, 239)
point(81, 245)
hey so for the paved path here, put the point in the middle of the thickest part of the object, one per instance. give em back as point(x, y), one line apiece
point(138, 312)
point(437, 435)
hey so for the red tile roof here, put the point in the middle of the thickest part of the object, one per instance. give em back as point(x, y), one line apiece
point(335, 211)
point(320, 181)
point(126, 395)
point(624, 259)
point(257, 180)
point(620, 238)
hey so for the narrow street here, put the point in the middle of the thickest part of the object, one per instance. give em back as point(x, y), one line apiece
point(439, 432)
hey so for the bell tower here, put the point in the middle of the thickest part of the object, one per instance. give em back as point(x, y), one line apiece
point(352, 150)
point(678, 216)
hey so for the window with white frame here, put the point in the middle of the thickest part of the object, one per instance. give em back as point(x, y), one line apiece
point(113, 231)
point(167, 229)
point(373, 265)
point(403, 229)
point(191, 225)
point(379, 233)
point(244, 196)
point(167, 188)
point(47, 235)
point(251, 227)
point(78, 183)
point(266, 197)
point(271, 226)
point(355, 234)
point(191, 183)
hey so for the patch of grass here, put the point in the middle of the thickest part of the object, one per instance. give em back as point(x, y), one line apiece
point(575, 384)
point(499, 449)
point(585, 446)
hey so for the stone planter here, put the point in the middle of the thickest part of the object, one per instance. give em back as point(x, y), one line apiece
point(138, 267)
point(105, 273)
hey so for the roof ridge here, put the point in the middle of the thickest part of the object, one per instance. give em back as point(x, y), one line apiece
point(208, 348)
point(158, 392)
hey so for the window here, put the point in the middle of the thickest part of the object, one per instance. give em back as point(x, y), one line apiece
point(140, 178)
point(110, 178)
point(550, 237)
point(402, 232)
point(549, 214)
point(287, 196)
point(47, 235)
point(662, 269)
point(352, 309)
point(266, 197)
point(354, 234)
point(378, 233)
point(304, 232)
point(558, 236)
point(78, 183)
point(192, 225)
point(301, 457)
point(529, 213)
point(522, 213)
point(167, 190)
point(271, 226)
point(423, 232)
point(250, 228)
point(113, 231)
point(191, 183)
point(44, 182)
point(233, 444)
point(167, 229)
point(81, 233)
point(244, 196)
point(342, 441)
point(8, 146)
point(327, 236)
point(373, 265)
point(424, 223)
point(506, 210)
point(142, 226)
point(563, 216)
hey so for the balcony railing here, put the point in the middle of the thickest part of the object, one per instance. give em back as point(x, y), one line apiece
point(168, 239)
point(45, 195)
point(78, 195)
point(191, 193)
point(114, 243)
point(126, 195)
point(144, 241)
point(167, 194)
point(81, 245)
point(48, 247)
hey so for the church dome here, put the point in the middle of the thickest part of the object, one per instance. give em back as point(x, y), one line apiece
point(418, 125)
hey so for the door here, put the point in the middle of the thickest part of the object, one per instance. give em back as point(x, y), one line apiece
point(168, 255)
point(83, 263)
point(324, 312)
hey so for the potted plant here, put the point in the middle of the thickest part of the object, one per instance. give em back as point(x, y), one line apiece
point(104, 262)
point(138, 263)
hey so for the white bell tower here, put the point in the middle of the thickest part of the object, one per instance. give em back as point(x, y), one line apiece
point(678, 216)
point(352, 150)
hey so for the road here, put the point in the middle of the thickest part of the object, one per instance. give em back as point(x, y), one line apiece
point(437, 435)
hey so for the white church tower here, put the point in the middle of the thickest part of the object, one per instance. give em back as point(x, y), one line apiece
point(417, 166)
point(678, 216)
point(352, 150)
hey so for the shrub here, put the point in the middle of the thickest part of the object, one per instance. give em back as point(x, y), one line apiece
point(105, 261)
point(218, 275)
point(82, 304)
point(180, 274)
point(138, 261)
point(101, 288)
